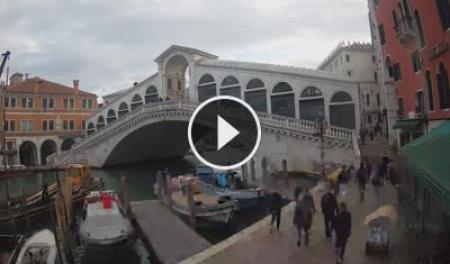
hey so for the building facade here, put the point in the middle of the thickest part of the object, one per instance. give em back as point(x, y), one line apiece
point(358, 61)
point(43, 117)
point(414, 40)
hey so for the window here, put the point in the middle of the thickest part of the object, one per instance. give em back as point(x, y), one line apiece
point(206, 87)
point(419, 29)
point(395, 20)
point(26, 125)
point(68, 103)
point(6, 102)
point(340, 58)
point(83, 124)
point(416, 61)
point(169, 84)
point(48, 103)
point(375, 76)
point(10, 102)
point(401, 108)
point(9, 145)
point(369, 119)
point(179, 85)
point(389, 67)
point(374, 59)
point(48, 125)
point(443, 7)
point(27, 102)
point(347, 57)
point(10, 125)
point(65, 124)
point(71, 125)
point(84, 103)
point(419, 102)
point(397, 72)
point(429, 90)
point(368, 99)
point(381, 32)
point(349, 73)
point(89, 104)
point(378, 100)
point(443, 87)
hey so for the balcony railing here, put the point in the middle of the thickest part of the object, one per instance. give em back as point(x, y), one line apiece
point(404, 30)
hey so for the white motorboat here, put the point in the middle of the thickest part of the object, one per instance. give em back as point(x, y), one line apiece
point(103, 220)
point(39, 248)
point(229, 184)
point(209, 209)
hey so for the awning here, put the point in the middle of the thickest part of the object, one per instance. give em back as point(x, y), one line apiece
point(408, 124)
point(427, 159)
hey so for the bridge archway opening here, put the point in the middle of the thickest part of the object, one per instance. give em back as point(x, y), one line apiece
point(48, 147)
point(176, 77)
point(256, 95)
point(90, 128)
point(311, 104)
point(67, 144)
point(206, 87)
point(342, 110)
point(111, 116)
point(28, 153)
point(100, 122)
point(123, 109)
point(136, 102)
point(282, 100)
point(230, 86)
point(151, 95)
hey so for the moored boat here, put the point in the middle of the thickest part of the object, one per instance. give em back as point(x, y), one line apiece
point(209, 209)
point(39, 248)
point(103, 220)
point(229, 184)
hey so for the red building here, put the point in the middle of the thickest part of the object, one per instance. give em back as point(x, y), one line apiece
point(415, 41)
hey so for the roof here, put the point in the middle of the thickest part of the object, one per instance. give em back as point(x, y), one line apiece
point(427, 159)
point(276, 68)
point(184, 49)
point(342, 46)
point(47, 87)
point(117, 93)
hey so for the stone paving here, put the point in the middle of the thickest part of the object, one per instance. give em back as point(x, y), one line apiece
point(257, 245)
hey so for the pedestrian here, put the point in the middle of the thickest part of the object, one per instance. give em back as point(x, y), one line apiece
point(303, 216)
point(45, 195)
point(297, 192)
point(381, 172)
point(376, 185)
point(342, 180)
point(276, 202)
point(361, 178)
point(342, 227)
point(369, 168)
point(329, 210)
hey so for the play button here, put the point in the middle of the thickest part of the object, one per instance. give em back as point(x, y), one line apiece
point(224, 132)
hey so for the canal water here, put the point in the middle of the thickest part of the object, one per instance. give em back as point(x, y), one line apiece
point(141, 178)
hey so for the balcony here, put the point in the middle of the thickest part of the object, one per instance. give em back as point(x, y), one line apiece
point(404, 30)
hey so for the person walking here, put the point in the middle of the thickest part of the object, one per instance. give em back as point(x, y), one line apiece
point(342, 181)
point(369, 169)
point(303, 215)
point(329, 210)
point(276, 202)
point(376, 185)
point(361, 178)
point(342, 226)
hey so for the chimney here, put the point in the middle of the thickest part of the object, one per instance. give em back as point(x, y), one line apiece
point(16, 78)
point(76, 84)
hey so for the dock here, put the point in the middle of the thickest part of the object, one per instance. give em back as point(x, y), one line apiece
point(164, 233)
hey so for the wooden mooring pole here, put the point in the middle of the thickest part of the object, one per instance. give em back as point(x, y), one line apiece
point(191, 205)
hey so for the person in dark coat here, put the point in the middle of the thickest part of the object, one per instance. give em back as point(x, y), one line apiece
point(303, 214)
point(369, 169)
point(276, 202)
point(361, 178)
point(45, 196)
point(342, 227)
point(329, 209)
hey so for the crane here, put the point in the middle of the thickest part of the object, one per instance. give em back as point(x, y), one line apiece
point(3, 63)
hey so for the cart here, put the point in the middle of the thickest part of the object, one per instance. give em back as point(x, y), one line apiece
point(379, 229)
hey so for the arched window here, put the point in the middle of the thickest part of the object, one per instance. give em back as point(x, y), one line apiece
point(90, 128)
point(256, 95)
point(419, 28)
point(28, 153)
point(67, 144)
point(311, 104)
point(100, 122)
point(48, 147)
point(111, 116)
point(429, 84)
point(206, 88)
point(282, 100)
point(151, 95)
point(342, 110)
point(136, 101)
point(443, 86)
point(123, 109)
point(230, 86)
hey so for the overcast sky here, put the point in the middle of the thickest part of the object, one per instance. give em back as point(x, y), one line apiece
point(109, 44)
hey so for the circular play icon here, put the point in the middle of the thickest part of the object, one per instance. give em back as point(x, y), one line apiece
point(224, 132)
